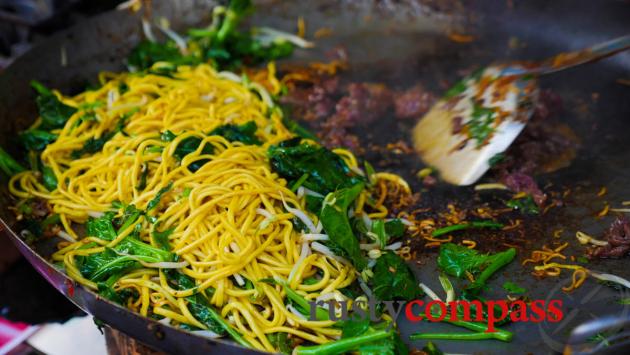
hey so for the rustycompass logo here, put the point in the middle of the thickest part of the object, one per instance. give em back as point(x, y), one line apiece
point(489, 312)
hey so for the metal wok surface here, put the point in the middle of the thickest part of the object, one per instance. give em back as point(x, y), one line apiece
point(393, 42)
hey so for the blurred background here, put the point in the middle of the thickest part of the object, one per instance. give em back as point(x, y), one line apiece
point(25, 22)
point(34, 317)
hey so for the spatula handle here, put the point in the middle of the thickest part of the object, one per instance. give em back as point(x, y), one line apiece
point(571, 59)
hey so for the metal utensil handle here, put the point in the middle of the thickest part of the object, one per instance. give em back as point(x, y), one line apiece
point(571, 59)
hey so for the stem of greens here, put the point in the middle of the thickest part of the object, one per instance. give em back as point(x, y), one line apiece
point(499, 334)
point(474, 224)
point(299, 182)
point(8, 165)
point(448, 287)
point(452, 336)
point(506, 258)
point(343, 345)
point(320, 313)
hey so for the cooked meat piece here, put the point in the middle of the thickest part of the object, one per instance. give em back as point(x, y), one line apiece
point(618, 236)
point(364, 103)
point(413, 102)
point(544, 145)
point(520, 182)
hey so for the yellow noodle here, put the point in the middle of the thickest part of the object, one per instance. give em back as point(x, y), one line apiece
point(212, 212)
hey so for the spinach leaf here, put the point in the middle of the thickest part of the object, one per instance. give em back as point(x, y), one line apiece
point(245, 133)
point(481, 122)
point(393, 279)
point(121, 258)
point(201, 309)
point(95, 145)
point(395, 228)
point(9, 165)
point(48, 178)
point(35, 139)
point(525, 205)
point(129, 217)
point(53, 112)
point(221, 44)
point(381, 232)
point(161, 238)
point(296, 128)
point(167, 136)
point(106, 290)
point(354, 327)
point(91, 146)
point(190, 145)
point(511, 287)
point(457, 260)
point(326, 171)
point(147, 53)
point(314, 204)
point(281, 342)
point(142, 184)
point(334, 218)
point(432, 349)
point(374, 342)
point(101, 227)
point(378, 230)
point(156, 200)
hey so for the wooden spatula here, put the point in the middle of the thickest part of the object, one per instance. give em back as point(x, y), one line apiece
point(481, 115)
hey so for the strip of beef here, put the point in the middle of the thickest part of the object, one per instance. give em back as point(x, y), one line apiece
point(520, 182)
point(363, 103)
point(413, 102)
point(618, 237)
point(360, 104)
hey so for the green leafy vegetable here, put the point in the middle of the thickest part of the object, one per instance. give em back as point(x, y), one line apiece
point(296, 128)
point(625, 300)
point(221, 43)
point(374, 342)
point(106, 290)
point(94, 145)
point(511, 287)
point(125, 256)
point(35, 139)
point(456, 89)
point(101, 227)
point(147, 53)
point(354, 327)
point(381, 230)
point(466, 225)
point(334, 218)
point(480, 125)
point(245, 133)
point(281, 342)
point(161, 238)
point(393, 279)
point(326, 171)
point(525, 205)
point(8, 165)
point(457, 260)
point(496, 159)
point(53, 112)
point(432, 349)
point(190, 145)
point(453, 336)
point(48, 178)
point(142, 184)
point(201, 309)
point(395, 228)
point(156, 200)
point(168, 136)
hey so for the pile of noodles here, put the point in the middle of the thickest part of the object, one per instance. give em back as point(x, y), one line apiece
point(230, 218)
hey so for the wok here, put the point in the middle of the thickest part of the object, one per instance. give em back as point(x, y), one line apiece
point(394, 42)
